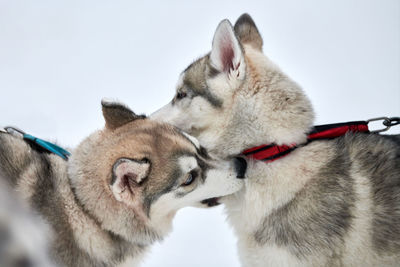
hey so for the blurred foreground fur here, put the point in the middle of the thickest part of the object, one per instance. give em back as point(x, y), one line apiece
point(24, 238)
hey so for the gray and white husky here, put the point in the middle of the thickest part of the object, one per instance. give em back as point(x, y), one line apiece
point(119, 191)
point(328, 203)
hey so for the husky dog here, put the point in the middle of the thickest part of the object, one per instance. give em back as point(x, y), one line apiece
point(328, 203)
point(121, 188)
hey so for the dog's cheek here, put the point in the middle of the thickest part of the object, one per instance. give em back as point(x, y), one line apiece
point(201, 112)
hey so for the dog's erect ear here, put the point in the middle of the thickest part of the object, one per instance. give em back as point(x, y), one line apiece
point(127, 176)
point(226, 53)
point(247, 32)
point(117, 114)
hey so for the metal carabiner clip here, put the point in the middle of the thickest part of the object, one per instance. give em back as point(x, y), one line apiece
point(387, 122)
point(13, 130)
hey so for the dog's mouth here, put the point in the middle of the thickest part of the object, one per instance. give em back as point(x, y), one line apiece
point(211, 202)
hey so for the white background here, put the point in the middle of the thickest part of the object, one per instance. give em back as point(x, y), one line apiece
point(59, 58)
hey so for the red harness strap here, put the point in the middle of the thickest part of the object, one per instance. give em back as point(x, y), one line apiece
point(271, 152)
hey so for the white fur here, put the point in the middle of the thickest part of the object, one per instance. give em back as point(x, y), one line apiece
point(220, 181)
point(111, 101)
point(187, 163)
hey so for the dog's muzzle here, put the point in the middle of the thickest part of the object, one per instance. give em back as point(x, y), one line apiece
point(240, 165)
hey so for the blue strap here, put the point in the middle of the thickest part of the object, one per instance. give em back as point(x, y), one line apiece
point(50, 147)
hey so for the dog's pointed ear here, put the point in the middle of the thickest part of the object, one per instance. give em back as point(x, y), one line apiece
point(226, 54)
point(247, 32)
point(117, 114)
point(127, 177)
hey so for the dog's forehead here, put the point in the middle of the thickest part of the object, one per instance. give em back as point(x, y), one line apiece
point(187, 163)
point(146, 138)
point(194, 75)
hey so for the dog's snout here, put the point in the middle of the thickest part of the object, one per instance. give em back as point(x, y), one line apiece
point(240, 165)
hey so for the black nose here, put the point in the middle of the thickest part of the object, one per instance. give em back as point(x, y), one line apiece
point(240, 167)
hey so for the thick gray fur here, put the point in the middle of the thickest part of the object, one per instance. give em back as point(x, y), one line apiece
point(320, 216)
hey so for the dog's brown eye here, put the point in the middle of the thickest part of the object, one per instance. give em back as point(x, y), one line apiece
point(190, 178)
point(181, 95)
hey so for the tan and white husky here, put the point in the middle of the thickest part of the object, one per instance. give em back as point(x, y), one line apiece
point(119, 191)
point(329, 202)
